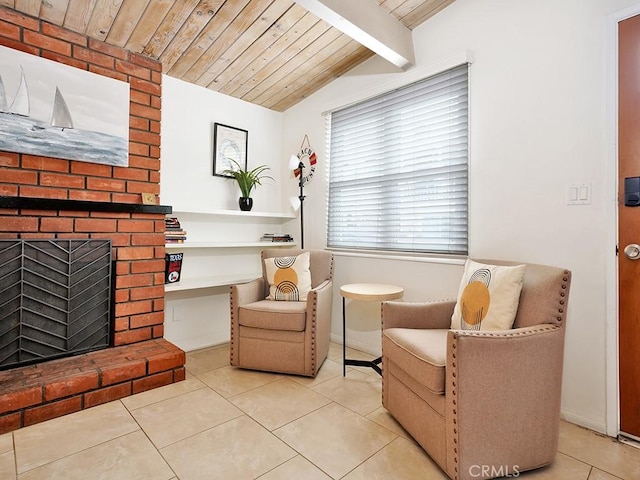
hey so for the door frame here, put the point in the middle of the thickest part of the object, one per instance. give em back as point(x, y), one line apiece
point(611, 221)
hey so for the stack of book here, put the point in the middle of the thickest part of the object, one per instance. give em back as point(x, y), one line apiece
point(173, 232)
point(276, 237)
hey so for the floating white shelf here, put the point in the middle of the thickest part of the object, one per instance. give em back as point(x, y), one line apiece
point(207, 282)
point(232, 213)
point(187, 244)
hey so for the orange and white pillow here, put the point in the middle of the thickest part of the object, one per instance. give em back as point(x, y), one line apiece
point(488, 297)
point(289, 277)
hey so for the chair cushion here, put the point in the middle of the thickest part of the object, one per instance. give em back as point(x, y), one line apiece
point(422, 353)
point(274, 315)
point(289, 277)
point(488, 297)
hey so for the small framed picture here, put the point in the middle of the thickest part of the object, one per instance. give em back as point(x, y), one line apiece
point(229, 143)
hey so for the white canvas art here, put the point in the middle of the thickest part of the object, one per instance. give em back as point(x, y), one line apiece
point(54, 110)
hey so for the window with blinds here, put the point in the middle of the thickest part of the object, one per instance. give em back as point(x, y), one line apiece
point(398, 176)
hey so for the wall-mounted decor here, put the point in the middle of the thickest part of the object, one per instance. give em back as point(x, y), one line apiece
point(305, 158)
point(229, 143)
point(54, 110)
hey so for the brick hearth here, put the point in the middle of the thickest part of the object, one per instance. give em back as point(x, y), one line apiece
point(140, 358)
point(36, 393)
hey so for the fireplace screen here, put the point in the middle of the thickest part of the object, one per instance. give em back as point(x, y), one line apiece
point(55, 299)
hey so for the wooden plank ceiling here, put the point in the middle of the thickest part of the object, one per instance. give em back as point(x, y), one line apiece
point(268, 52)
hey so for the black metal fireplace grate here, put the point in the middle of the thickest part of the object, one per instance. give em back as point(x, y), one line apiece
point(55, 299)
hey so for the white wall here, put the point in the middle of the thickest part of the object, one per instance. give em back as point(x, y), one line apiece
point(199, 318)
point(187, 181)
point(538, 123)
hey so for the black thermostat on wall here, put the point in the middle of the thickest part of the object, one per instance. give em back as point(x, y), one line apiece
point(632, 191)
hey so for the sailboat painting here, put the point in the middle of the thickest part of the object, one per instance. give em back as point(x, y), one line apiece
point(54, 110)
point(60, 117)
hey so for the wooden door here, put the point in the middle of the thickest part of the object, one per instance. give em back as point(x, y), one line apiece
point(628, 224)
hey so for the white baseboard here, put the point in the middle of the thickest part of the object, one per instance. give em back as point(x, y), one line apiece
point(584, 422)
point(355, 345)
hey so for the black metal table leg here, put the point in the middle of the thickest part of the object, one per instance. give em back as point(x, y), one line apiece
point(368, 292)
point(344, 339)
point(347, 361)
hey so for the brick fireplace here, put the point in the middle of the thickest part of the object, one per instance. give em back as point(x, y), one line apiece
point(44, 197)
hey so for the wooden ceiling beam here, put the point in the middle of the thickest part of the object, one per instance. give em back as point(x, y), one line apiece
point(368, 24)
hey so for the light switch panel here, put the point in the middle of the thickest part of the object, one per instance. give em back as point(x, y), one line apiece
point(579, 194)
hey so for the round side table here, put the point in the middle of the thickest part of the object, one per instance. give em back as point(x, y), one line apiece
point(366, 292)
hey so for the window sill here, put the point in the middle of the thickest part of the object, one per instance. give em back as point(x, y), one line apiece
point(401, 256)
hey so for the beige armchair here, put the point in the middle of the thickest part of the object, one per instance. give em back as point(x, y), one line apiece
point(482, 404)
point(283, 336)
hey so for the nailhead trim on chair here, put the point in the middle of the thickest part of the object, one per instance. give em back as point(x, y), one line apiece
point(231, 302)
point(565, 279)
point(313, 334)
point(313, 326)
point(507, 333)
point(454, 375)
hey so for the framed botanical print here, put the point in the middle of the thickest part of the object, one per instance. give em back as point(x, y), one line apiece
point(229, 145)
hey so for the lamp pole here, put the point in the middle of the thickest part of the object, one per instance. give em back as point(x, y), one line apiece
point(301, 198)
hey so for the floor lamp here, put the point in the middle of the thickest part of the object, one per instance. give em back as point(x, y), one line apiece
point(294, 164)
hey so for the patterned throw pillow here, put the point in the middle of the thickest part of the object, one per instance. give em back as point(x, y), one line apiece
point(488, 297)
point(289, 277)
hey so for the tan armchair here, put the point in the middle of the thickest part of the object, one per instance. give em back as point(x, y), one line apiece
point(278, 336)
point(482, 404)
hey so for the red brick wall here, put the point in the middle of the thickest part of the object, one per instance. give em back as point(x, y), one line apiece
point(138, 239)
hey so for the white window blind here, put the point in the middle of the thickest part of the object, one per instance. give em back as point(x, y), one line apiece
point(398, 169)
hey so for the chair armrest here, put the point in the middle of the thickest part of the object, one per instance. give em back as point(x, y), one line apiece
point(241, 294)
point(319, 305)
point(417, 315)
point(244, 293)
point(319, 300)
point(499, 387)
point(323, 286)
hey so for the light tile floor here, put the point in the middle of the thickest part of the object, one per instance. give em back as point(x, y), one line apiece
point(227, 423)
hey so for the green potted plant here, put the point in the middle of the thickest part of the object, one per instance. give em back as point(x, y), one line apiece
point(247, 181)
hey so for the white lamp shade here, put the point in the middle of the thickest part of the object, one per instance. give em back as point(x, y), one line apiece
point(295, 203)
point(293, 162)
